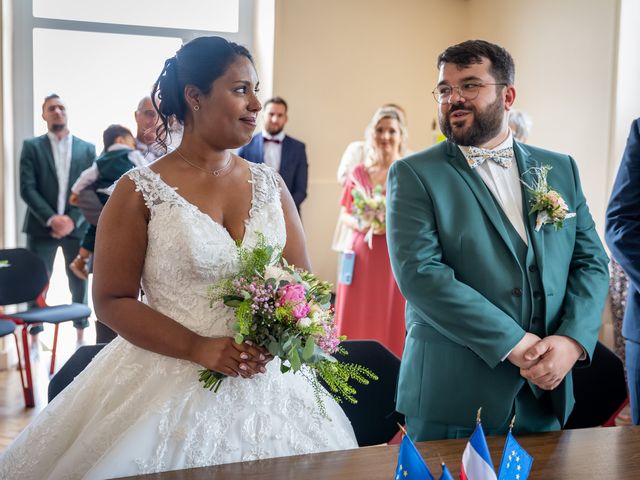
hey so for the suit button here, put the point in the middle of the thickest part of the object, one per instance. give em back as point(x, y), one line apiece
point(537, 295)
point(533, 268)
point(516, 292)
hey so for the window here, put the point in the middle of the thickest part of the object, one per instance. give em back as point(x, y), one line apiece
point(100, 76)
point(209, 15)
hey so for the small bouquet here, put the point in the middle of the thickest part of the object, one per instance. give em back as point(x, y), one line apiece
point(548, 203)
point(288, 312)
point(369, 210)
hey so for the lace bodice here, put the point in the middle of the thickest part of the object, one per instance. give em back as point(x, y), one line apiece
point(187, 250)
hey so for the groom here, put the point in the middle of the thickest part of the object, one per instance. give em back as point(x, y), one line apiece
point(498, 311)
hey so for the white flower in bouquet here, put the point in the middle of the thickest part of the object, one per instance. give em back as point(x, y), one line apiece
point(278, 274)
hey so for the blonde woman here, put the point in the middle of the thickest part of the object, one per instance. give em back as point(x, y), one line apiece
point(368, 302)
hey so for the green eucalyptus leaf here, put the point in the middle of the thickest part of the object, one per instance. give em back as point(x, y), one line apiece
point(294, 358)
point(284, 368)
point(274, 348)
point(309, 348)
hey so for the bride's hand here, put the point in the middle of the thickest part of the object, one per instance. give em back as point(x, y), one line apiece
point(224, 355)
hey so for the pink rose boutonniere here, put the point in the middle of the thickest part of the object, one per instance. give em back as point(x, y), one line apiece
point(546, 202)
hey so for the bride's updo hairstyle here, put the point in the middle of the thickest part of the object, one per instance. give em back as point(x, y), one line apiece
point(199, 63)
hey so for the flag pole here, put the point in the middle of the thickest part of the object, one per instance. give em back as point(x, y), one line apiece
point(513, 421)
point(402, 429)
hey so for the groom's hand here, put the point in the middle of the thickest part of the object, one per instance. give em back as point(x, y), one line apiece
point(554, 355)
point(517, 354)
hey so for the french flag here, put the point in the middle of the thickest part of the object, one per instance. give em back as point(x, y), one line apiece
point(476, 461)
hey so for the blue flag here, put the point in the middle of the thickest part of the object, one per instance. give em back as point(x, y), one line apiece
point(411, 466)
point(516, 462)
point(446, 474)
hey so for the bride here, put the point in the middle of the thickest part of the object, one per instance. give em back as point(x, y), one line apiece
point(172, 228)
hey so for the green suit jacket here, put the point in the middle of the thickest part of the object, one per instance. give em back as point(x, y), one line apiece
point(454, 263)
point(39, 183)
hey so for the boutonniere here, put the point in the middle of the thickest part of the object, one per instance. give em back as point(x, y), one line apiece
point(548, 203)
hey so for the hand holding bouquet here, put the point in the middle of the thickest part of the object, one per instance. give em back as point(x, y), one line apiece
point(287, 311)
point(369, 210)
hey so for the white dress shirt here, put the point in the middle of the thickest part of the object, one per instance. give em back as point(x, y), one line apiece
point(273, 151)
point(504, 184)
point(61, 150)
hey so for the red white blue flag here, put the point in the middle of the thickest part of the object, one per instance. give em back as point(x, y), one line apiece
point(476, 460)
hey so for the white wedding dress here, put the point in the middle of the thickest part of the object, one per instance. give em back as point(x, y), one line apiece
point(132, 411)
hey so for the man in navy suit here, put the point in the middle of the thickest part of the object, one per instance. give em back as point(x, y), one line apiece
point(623, 237)
point(281, 152)
point(49, 165)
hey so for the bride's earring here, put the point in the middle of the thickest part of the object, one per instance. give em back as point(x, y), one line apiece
point(196, 107)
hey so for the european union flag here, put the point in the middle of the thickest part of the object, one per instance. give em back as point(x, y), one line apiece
point(411, 466)
point(516, 462)
point(446, 474)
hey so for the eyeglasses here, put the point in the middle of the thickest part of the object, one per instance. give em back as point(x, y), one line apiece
point(469, 91)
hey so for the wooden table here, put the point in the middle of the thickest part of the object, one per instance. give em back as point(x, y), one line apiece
point(594, 453)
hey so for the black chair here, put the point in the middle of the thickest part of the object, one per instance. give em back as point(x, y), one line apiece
point(72, 368)
point(24, 278)
point(600, 390)
point(374, 417)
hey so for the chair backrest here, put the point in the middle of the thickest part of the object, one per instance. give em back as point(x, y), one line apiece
point(599, 389)
point(23, 276)
point(374, 417)
point(72, 368)
point(7, 327)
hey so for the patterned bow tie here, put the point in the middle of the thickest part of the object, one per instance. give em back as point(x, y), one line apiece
point(272, 140)
point(503, 157)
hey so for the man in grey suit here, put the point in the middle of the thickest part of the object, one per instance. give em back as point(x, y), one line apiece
point(49, 165)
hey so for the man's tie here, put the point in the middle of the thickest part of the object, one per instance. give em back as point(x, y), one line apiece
point(476, 156)
point(272, 140)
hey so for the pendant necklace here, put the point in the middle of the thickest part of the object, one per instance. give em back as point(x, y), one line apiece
point(216, 172)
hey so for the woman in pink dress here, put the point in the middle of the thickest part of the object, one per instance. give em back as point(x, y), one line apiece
point(371, 305)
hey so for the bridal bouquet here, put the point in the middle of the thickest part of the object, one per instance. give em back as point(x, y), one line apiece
point(287, 311)
point(369, 209)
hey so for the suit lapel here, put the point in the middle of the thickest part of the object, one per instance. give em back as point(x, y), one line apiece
point(481, 193)
point(525, 163)
point(74, 162)
point(260, 148)
point(283, 155)
point(47, 149)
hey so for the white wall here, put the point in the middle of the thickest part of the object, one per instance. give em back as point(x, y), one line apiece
point(627, 104)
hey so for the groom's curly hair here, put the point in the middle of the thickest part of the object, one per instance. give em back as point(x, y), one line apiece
point(473, 51)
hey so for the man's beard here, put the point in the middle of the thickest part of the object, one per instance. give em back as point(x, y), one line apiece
point(58, 127)
point(486, 124)
point(273, 131)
